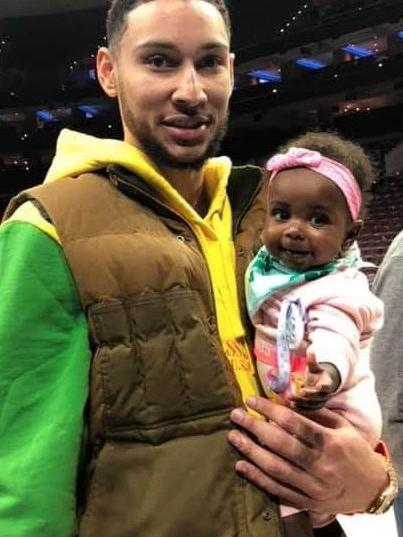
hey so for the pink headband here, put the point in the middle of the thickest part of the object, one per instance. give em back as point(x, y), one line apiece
point(341, 176)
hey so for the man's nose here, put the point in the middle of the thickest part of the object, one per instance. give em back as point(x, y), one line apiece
point(189, 89)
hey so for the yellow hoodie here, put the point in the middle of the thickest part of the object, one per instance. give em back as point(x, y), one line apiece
point(79, 153)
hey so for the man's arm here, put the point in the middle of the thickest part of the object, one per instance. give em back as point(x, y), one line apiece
point(44, 361)
point(324, 466)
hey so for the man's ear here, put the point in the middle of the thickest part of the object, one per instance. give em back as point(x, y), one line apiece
point(106, 71)
point(352, 234)
point(232, 69)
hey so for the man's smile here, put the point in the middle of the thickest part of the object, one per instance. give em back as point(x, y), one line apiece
point(187, 130)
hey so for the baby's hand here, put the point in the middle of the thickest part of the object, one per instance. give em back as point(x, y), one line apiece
point(322, 380)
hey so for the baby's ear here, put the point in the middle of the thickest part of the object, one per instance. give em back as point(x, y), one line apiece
point(352, 234)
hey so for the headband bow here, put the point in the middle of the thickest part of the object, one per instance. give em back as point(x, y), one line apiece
point(295, 156)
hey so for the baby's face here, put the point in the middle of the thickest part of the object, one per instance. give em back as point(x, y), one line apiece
point(308, 221)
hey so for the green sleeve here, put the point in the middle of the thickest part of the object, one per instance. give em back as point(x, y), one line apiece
point(44, 363)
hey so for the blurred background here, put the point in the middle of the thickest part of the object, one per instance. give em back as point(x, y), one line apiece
point(315, 64)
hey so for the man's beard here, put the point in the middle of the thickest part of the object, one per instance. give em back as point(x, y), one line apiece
point(161, 158)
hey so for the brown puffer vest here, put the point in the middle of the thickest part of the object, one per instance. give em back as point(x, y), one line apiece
point(159, 463)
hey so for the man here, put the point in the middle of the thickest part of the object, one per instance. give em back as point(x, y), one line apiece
point(126, 256)
point(387, 359)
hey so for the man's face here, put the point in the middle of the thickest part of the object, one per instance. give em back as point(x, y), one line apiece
point(172, 75)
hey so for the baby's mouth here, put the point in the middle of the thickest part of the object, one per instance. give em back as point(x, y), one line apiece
point(296, 254)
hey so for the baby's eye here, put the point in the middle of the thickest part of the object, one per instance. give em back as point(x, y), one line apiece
point(319, 219)
point(279, 214)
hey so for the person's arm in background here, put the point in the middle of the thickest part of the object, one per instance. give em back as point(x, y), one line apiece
point(44, 362)
point(387, 357)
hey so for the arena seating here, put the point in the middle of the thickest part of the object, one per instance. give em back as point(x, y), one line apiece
point(384, 219)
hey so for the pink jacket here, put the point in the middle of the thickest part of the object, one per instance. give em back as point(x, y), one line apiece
point(342, 315)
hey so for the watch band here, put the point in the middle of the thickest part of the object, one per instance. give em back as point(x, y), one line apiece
point(386, 497)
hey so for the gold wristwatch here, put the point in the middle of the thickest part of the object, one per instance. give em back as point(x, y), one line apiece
point(386, 497)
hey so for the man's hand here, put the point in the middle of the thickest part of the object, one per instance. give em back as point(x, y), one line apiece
point(323, 465)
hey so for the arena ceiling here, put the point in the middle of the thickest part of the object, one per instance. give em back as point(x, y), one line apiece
point(27, 8)
point(21, 8)
point(252, 20)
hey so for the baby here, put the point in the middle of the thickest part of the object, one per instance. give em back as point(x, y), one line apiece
point(311, 306)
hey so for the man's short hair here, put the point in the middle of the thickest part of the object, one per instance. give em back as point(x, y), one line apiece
point(116, 19)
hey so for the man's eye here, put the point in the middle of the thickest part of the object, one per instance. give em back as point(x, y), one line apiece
point(158, 61)
point(211, 62)
point(279, 215)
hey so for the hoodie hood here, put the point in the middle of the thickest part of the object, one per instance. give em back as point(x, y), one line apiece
point(78, 153)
